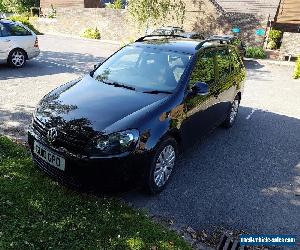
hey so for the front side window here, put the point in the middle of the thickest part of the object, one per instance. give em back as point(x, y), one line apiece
point(204, 70)
point(17, 30)
point(144, 68)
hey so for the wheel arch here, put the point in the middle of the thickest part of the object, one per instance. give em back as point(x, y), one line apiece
point(19, 48)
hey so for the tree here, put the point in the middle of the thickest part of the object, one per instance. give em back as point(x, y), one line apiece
point(17, 6)
point(156, 11)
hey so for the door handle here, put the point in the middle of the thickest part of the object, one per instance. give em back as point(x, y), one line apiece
point(7, 40)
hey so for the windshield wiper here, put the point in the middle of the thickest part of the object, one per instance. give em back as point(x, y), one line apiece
point(119, 85)
point(155, 92)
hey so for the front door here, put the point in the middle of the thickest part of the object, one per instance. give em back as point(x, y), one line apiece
point(199, 109)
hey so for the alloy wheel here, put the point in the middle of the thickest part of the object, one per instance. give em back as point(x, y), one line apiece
point(234, 110)
point(18, 58)
point(164, 165)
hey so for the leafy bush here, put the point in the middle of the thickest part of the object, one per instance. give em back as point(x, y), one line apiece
point(272, 45)
point(91, 33)
point(255, 52)
point(275, 35)
point(52, 12)
point(25, 21)
point(116, 5)
point(274, 38)
point(297, 69)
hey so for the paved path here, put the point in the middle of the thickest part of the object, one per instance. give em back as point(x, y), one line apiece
point(245, 178)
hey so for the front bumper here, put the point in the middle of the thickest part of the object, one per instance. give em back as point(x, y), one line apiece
point(83, 170)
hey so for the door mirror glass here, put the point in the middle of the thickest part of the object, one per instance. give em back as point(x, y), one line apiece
point(200, 88)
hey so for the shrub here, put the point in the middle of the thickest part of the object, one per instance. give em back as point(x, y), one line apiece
point(255, 52)
point(116, 5)
point(25, 21)
point(274, 38)
point(275, 35)
point(91, 33)
point(272, 45)
point(297, 69)
point(52, 12)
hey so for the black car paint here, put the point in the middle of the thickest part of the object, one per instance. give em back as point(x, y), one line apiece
point(85, 108)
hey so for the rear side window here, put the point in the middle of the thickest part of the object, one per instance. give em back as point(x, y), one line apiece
point(204, 70)
point(235, 60)
point(17, 30)
point(223, 62)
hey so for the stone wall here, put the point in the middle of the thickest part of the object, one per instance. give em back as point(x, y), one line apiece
point(112, 24)
point(290, 45)
point(201, 15)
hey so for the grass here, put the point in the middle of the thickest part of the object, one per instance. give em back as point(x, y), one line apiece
point(37, 213)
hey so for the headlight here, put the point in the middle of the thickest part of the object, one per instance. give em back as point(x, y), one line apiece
point(118, 143)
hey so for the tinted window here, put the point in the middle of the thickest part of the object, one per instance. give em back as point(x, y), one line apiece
point(223, 62)
point(3, 30)
point(17, 30)
point(144, 68)
point(204, 70)
point(235, 60)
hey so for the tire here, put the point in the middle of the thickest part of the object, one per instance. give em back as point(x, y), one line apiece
point(17, 58)
point(232, 114)
point(167, 151)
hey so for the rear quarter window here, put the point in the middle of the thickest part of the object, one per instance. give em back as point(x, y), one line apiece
point(17, 30)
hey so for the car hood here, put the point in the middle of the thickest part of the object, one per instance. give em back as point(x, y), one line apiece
point(90, 105)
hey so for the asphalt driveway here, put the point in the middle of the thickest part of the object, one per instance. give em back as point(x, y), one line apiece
point(246, 178)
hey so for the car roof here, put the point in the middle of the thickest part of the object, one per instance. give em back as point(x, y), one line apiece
point(182, 45)
point(186, 46)
point(5, 21)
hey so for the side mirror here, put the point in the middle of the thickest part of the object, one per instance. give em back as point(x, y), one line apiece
point(200, 88)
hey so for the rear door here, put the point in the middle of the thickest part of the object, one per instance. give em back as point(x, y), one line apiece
point(20, 37)
point(5, 43)
point(225, 88)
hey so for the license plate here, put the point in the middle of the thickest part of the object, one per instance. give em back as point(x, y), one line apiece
point(48, 156)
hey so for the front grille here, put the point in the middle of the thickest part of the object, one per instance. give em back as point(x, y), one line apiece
point(40, 128)
point(64, 139)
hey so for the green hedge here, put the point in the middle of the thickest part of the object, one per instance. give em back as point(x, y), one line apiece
point(25, 21)
point(256, 52)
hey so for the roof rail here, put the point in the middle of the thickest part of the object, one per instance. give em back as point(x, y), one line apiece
point(160, 36)
point(221, 40)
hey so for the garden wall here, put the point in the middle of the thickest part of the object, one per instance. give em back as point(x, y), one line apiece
point(201, 15)
point(290, 45)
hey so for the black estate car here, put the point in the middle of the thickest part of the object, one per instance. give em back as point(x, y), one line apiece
point(133, 114)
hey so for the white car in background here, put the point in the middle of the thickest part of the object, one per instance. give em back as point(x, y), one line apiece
point(17, 43)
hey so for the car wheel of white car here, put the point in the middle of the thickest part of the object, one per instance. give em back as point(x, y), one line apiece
point(17, 58)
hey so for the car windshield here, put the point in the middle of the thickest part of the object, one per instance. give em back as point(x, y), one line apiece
point(144, 68)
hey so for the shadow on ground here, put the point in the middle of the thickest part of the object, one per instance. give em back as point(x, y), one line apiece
point(245, 178)
point(50, 63)
point(14, 124)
